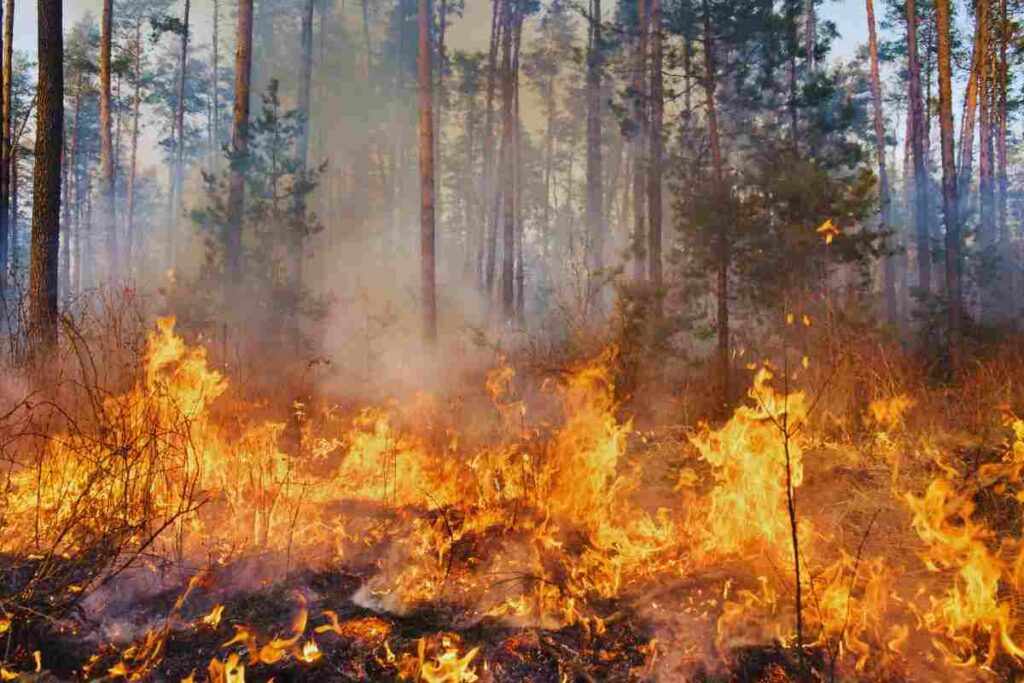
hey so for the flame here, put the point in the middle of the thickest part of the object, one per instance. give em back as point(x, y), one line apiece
point(537, 520)
point(231, 670)
point(447, 667)
point(310, 652)
point(746, 509)
point(213, 618)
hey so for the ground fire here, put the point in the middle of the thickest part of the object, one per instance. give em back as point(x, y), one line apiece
point(384, 542)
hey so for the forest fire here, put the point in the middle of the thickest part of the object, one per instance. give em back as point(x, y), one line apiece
point(511, 340)
point(544, 551)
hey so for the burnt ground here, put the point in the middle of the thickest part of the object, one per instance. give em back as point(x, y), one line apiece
point(367, 645)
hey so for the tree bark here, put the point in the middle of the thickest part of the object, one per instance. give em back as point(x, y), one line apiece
point(107, 205)
point(133, 159)
point(489, 195)
point(965, 171)
point(5, 153)
point(179, 143)
point(949, 194)
point(924, 261)
point(215, 90)
point(46, 182)
point(549, 155)
point(70, 184)
point(718, 190)
point(426, 134)
point(639, 140)
point(305, 81)
point(654, 169)
point(232, 241)
point(508, 167)
point(594, 214)
point(517, 174)
point(987, 226)
point(884, 199)
point(1002, 181)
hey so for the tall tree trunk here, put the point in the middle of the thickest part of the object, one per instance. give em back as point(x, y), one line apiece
point(108, 217)
point(177, 172)
point(916, 104)
point(64, 274)
point(46, 183)
point(5, 152)
point(508, 166)
point(14, 209)
point(426, 134)
point(654, 169)
point(949, 195)
point(986, 227)
point(517, 174)
point(215, 90)
point(489, 206)
point(232, 241)
point(305, 93)
point(794, 49)
point(439, 94)
point(722, 247)
point(70, 183)
point(965, 171)
point(884, 200)
point(305, 80)
point(1002, 181)
point(133, 158)
point(594, 214)
point(639, 139)
point(550, 105)
point(473, 239)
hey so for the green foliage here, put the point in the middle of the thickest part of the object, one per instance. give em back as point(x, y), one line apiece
point(277, 224)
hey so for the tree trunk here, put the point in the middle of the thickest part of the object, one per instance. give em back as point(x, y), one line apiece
point(965, 171)
point(639, 140)
point(5, 153)
point(215, 90)
point(794, 48)
point(949, 196)
point(884, 200)
point(14, 209)
point(179, 143)
point(232, 242)
point(517, 173)
point(107, 210)
point(70, 183)
point(133, 160)
point(1002, 181)
point(489, 206)
point(305, 81)
point(508, 167)
point(654, 169)
point(718, 189)
point(46, 183)
point(550, 105)
point(473, 241)
point(439, 95)
point(916, 104)
point(986, 227)
point(426, 134)
point(594, 215)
